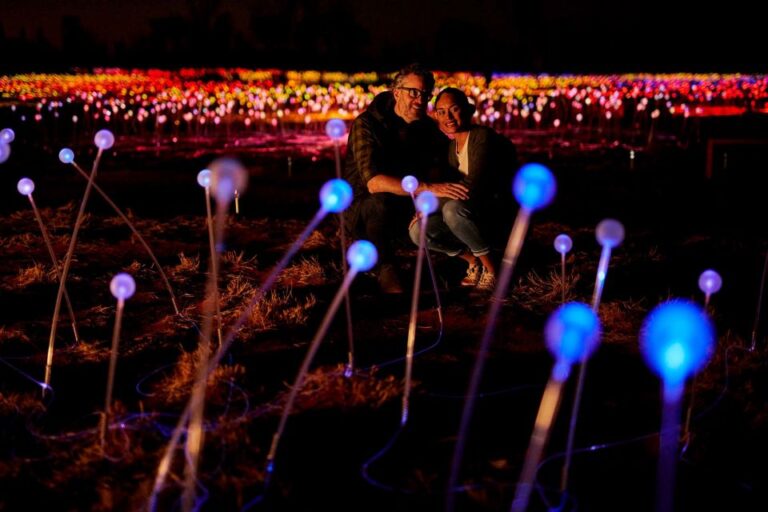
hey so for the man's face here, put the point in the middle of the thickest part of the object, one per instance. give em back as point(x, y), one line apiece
point(449, 115)
point(411, 98)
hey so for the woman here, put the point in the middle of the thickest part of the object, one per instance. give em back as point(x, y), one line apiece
point(483, 161)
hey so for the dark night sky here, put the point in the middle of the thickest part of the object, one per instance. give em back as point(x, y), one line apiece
point(483, 35)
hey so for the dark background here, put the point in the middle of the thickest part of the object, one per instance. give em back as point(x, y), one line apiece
point(558, 36)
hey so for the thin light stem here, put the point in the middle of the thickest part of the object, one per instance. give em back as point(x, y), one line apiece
point(411, 343)
point(65, 270)
point(55, 263)
point(511, 254)
point(135, 232)
point(111, 376)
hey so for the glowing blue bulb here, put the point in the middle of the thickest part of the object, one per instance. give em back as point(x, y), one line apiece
point(204, 178)
point(335, 128)
point(335, 195)
point(67, 156)
point(5, 152)
point(609, 233)
point(409, 184)
point(25, 186)
point(7, 135)
point(426, 202)
point(676, 340)
point(563, 243)
point(104, 139)
point(228, 175)
point(572, 332)
point(362, 256)
point(534, 186)
point(122, 286)
point(710, 282)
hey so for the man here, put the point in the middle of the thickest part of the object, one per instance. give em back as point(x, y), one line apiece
point(392, 139)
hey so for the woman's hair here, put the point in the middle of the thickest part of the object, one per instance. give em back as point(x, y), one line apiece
point(458, 95)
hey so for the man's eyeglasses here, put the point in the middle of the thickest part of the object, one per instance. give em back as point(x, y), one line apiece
point(414, 93)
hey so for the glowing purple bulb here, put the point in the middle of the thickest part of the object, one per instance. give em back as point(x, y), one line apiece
point(7, 135)
point(25, 186)
point(563, 243)
point(228, 176)
point(335, 195)
point(104, 139)
point(122, 286)
point(710, 282)
point(410, 184)
point(5, 152)
point(609, 233)
point(66, 156)
point(335, 128)
point(362, 256)
point(426, 202)
point(204, 178)
point(534, 186)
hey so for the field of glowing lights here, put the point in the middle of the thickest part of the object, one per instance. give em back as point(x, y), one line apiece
point(677, 159)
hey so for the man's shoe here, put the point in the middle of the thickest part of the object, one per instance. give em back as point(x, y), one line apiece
point(487, 281)
point(389, 280)
point(473, 275)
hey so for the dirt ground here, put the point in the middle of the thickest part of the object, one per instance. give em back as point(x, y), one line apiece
point(343, 448)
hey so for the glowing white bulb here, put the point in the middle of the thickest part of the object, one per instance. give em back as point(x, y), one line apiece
point(409, 184)
point(67, 156)
point(122, 286)
point(563, 243)
point(204, 178)
point(609, 233)
point(7, 135)
point(104, 139)
point(5, 152)
point(25, 186)
point(710, 282)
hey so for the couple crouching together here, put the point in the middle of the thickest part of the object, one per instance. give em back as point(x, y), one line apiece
point(468, 167)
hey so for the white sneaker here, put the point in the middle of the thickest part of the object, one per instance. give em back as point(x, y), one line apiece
point(487, 281)
point(473, 275)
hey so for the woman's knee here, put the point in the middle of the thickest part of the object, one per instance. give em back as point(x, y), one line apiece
point(455, 212)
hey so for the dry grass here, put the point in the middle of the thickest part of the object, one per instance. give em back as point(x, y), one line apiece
point(37, 273)
point(281, 309)
point(177, 385)
point(306, 272)
point(11, 334)
point(536, 293)
point(326, 388)
point(621, 320)
point(318, 240)
point(237, 262)
point(187, 265)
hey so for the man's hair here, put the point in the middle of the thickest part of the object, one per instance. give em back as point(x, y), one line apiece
point(418, 70)
point(467, 108)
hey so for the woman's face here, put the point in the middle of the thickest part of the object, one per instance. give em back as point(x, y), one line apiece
point(449, 115)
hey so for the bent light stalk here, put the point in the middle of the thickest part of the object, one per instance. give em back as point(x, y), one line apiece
point(25, 187)
point(68, 157)
point(103, 140)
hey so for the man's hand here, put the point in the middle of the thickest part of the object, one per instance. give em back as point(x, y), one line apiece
point(449, 190)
